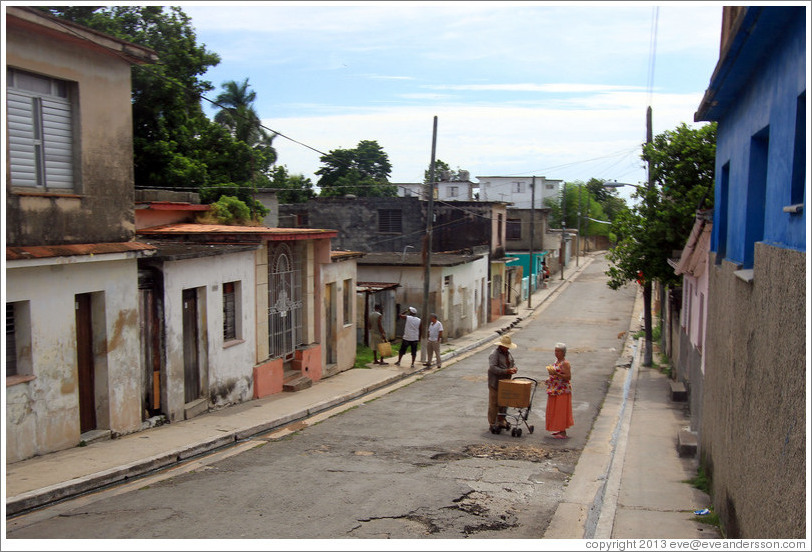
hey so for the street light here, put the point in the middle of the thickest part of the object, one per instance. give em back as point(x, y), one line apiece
point(616, 184)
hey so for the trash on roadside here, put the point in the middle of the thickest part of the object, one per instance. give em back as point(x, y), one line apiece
point(702, 512)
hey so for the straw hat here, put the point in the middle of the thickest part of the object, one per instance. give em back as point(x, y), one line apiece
point(505, 341)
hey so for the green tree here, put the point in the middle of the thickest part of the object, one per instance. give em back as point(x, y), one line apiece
point(681, 182)
point(362, 171)
point(578, 198)
point(443, 171)
point(239, 116)
point(291, 188)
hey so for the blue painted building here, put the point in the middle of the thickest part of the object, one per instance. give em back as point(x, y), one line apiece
point(752, 436)
point(522, 259)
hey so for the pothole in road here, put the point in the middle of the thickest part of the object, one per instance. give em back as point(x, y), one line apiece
point(509, 452)
point(528, 453)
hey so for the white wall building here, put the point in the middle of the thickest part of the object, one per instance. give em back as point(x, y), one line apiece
point(517, 190)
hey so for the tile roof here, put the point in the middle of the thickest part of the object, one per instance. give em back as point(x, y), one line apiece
point(16, 253)
point(237, 232)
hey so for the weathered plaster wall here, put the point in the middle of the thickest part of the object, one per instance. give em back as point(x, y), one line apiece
point(42, 415)
point(227, 368)
point(463, 301)
point(753, 434)
point(102, 208)
point(345, 335)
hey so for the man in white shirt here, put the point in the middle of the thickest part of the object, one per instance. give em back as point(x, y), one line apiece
point(435, 337)
point(411, 334)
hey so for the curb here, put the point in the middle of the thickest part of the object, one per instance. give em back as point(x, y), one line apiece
point(600, 465)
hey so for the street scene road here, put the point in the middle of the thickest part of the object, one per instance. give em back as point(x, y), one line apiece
point(418, 462)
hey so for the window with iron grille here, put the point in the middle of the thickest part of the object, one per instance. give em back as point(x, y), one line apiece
point(230, 320)
point(18, 339)
point(513, 230)
point(390, 221)
point(40, 131)
point(285, 305)
point(11, 342)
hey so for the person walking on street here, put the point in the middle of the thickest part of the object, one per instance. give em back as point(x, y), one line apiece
point(559, 394)
point(376, 333)
point(500, 366)
point(411, 334)
point(435, 338)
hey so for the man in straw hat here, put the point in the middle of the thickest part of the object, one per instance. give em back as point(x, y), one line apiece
point(500, 366)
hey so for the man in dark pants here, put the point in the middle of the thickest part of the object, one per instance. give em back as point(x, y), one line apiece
point(500, 366)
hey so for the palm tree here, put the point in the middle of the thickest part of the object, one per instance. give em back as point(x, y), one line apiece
point(240, 118)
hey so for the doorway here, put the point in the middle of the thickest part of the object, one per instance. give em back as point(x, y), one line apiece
point(191, 344)
point(86, 365)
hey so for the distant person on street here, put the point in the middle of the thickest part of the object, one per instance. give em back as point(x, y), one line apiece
point(435, 338)
point(559, 394)
point(411, 334)
point(500, 366)
point(376, 333)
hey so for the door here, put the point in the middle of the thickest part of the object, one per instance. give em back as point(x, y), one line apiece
point(330, 323)
point(191, 365)
point(149, 319)
point(84, 356)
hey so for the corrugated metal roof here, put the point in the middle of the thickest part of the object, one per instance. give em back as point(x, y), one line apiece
point(16, 253)
point(169, 250)
point(345, 255)
point(373, 287)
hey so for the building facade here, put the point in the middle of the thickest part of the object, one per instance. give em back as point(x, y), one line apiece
point(754, 410)
point(72, 362)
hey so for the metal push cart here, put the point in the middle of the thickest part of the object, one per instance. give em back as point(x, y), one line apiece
point(520, 406)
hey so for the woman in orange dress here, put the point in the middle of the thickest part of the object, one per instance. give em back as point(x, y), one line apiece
point(559, 394)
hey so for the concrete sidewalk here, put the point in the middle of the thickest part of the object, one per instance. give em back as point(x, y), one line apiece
point(52, 477)
point(630, 481)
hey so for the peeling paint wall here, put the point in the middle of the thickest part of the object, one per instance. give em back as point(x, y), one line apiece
point(226, 366)
point(345, 345)
point(42, 414)
point(460, 306)
point(102, 208)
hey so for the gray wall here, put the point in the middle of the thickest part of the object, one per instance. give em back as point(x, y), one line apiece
point(356, 220)
point(752, 438)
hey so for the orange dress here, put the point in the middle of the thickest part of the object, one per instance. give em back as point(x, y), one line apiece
point(559, 402)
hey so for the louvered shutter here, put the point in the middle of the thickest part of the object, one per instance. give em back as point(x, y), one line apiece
point(40, 140)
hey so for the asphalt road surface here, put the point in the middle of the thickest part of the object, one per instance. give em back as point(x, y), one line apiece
point(418, 462)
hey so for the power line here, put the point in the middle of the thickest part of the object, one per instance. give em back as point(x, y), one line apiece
point(184, 87)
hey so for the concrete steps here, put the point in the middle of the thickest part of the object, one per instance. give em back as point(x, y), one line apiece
point(293, 380)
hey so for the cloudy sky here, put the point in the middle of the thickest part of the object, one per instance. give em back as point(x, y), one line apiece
point(519, 88)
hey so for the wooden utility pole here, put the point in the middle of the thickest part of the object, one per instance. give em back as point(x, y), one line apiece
point(429, 224)
point(563, 228)
point(532, 233)
point(648, 358)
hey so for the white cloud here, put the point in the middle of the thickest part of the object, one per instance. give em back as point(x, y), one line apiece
point(572, 144)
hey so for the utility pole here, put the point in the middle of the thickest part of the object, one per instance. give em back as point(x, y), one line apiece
point(578, 238)
point(429, 224)
point(532, 233)
point(648, 357)
point(563, 227)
